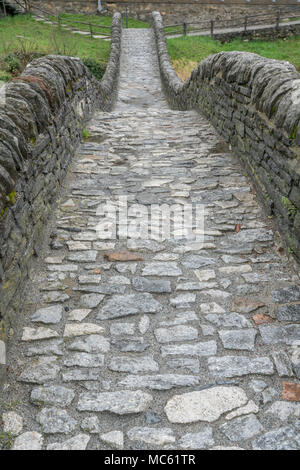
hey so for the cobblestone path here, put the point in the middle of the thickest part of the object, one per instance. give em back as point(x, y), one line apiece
point(176, 347)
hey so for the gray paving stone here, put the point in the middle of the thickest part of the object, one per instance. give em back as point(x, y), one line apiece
point(41, 370)
point(176, 333)
point(282, 363)
point(284, 438)
point(83, 359)
point(205, 348)
point(161, 268)
point(228, 320)
point(286, 294)
point(48, 315)
point(90, 344)
point(148, 285)
point(78, 442)
point(288, 313)
point(231, 366)
point(240, 429)
point(52, 395)
point(152, 436)
point(30, 440)
point(273, 334)
point(91, 425)
point(45, 348)
point(159, 382)
point(121, 403)
point(133, 364)
point(122, 305)
point(238, 339)
point(54, 420)
point(197, 261)
point(199, 440)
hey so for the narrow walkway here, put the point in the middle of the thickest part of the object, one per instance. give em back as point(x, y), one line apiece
point(178, 347)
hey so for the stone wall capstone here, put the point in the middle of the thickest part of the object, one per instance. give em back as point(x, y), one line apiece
point(254, 103)
point(41, 117)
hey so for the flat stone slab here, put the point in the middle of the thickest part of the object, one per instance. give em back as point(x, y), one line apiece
point(121, 403)
point(41, 370)
point(283, 438)
point(48, 315)
point(205, 348)
point(176, 333)
point(159, 381)
point(235, 366)
point(78, 442)
point(56, 395)
point(90, 344)
point(122, 305)
point(133, 364)
point(161, 268)
point(240, 429)
point(238, 339)
point(199, 440)
point(152, 436)
point(143, 284)
point(288, 313)
point(205, 405)
point(30, 440)
point(54, 420)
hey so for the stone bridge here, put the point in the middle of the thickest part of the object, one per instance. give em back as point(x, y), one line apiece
point(181, 340)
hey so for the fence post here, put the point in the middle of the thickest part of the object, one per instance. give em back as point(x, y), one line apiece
point(91, 31)
point(277, 19)
point(126, 17)
point(4, 8)
point(212, 28)
point(184, 28)
point(245, 24)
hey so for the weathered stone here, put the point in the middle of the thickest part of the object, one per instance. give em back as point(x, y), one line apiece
point(54, 420)
point(52, 395)
point(91, 300)
point(12, 423)
point(228, 320)
point(121, 403)
point(251, 407)
point(159, 382)
point(91, 424)
point(51, 346)
point(176, 333)
point(197, 261)
point(82, 329)
point(48, 315)
point(43, 369)
point(284, 438)
point(231, 366)
point(161, 269)
point(78, 442)
point(286, 294)
point(90, 344)
point(290, 391)
point(205, 405)
point(55, 296)
point(288, 313)
point(78, 375)
point(132, 304)
point(143, 284)
point(32, 334)
point(144, 324)
point(273, 334)
point(133, 364)
point(238, 339)
point(152, 436)
point(245, 305)
point(30, 440)
point(284, 410)
point(242, 428)
point(118, 329)
point(185, 363)
point(206, 348)
point(84, 359)
point(261, 318)
point(114, 439)
point(183, 300)
point(283, 364)
point(199, 440)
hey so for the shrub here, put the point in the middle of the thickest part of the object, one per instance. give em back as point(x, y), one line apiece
point(95, 67)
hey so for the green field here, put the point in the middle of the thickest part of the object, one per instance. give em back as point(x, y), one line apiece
point(187, 52)
point(22, 39)
point(76, 21)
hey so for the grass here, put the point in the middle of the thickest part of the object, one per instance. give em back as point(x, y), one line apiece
point(22, 39)
point(187, 52)
point(71, 21)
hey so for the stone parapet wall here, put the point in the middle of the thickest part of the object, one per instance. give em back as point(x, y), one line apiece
point(41, 118)
point(253, 102)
